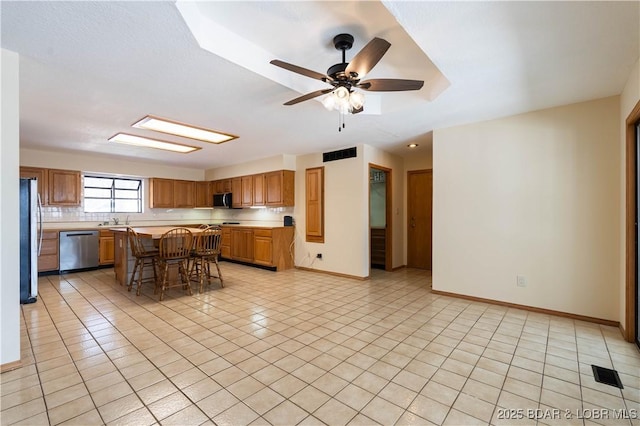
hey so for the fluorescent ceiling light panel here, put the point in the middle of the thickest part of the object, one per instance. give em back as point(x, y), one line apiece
point(151, 143)
point(176, 128)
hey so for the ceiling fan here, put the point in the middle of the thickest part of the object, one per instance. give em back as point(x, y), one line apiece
point(345, 77)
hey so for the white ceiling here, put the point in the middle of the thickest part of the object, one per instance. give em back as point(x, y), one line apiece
point(90, 69)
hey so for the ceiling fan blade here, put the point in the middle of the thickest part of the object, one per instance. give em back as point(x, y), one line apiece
point(308, 96)
point(390, 85)
point(300, 70)
point(355, 111)
point(368, 57)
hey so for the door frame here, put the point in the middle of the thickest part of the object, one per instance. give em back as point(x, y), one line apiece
point(388, 234)
point(629, 330)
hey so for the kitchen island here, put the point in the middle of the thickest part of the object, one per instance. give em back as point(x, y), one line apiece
point(270, 247)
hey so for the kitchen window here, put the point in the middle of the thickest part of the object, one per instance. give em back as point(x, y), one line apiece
point(112, 195)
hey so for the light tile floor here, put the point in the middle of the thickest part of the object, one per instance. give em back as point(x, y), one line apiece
point(298, 347)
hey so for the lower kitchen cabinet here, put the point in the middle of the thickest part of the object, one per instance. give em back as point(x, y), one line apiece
point(107, 247)
point(48, 260)
point(270, 247)
point(225, 245)
point(263, 247)
point(242, 244)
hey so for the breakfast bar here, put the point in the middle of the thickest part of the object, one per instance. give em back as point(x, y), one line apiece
point(268, 247)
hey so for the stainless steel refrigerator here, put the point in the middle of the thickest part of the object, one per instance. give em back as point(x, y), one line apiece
point(30, 239)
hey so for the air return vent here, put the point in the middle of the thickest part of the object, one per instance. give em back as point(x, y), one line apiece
point(339, 155)
point(607, 376)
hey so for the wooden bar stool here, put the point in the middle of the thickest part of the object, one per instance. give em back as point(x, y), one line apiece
point(206, 251)
point(175, 250)
point(144, 257)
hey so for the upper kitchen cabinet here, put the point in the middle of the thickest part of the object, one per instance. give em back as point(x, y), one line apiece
point(41, 176)
point(247, 191)
point(171, 193)
point(236, 192)
point(280, 188)
point(65, 188)
point(258, 190)
point(221, 186)
point(204, 194)
point(184, 194)
point(161, 193)
point(56, 187)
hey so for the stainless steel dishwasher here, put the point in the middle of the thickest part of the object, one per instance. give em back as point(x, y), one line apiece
point(78, 250)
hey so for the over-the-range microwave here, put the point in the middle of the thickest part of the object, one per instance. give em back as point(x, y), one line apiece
point(222, 200)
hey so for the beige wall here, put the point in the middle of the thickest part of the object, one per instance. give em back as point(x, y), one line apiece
point(628, 99)
point(535, 195)
point(102, 164)
point(278, 162)
point(346, 216)
point(9, 210)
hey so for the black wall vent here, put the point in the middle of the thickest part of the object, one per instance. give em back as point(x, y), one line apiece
point(339, 155)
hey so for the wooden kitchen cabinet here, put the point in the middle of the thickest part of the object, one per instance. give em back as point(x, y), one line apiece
point(272, 189)
point(225, 244)
point(65, 187)
point(247, 191)
point(56, 187)
point(258, 189)
point(41, 175)
point(315, 205)
point(204, 194)
point(242, 244)
point(221, 186)
point(269, 247)
point(171, 193)
point(280, 188)
point(48, 260)
point(161, 193)
point(107, 247)
point(263, 247)
point(184, 194)
point(236, 192)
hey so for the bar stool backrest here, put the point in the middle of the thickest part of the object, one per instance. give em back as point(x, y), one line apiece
point(208, 242)
point(135, 243)
point(176, 244)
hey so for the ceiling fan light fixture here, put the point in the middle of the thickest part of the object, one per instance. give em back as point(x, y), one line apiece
point(343, 100)
point(329, 102)
point(341, 93)
point(356, 100)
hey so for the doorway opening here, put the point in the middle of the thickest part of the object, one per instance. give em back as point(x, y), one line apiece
point(380, 218)
point(632, 235)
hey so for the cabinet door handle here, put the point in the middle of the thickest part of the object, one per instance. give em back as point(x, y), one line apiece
point(413, 222)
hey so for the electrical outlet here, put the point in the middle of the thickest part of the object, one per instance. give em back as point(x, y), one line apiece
point(319, 256)
point(521, 281)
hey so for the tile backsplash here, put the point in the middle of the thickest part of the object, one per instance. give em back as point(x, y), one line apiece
point(64, 215)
